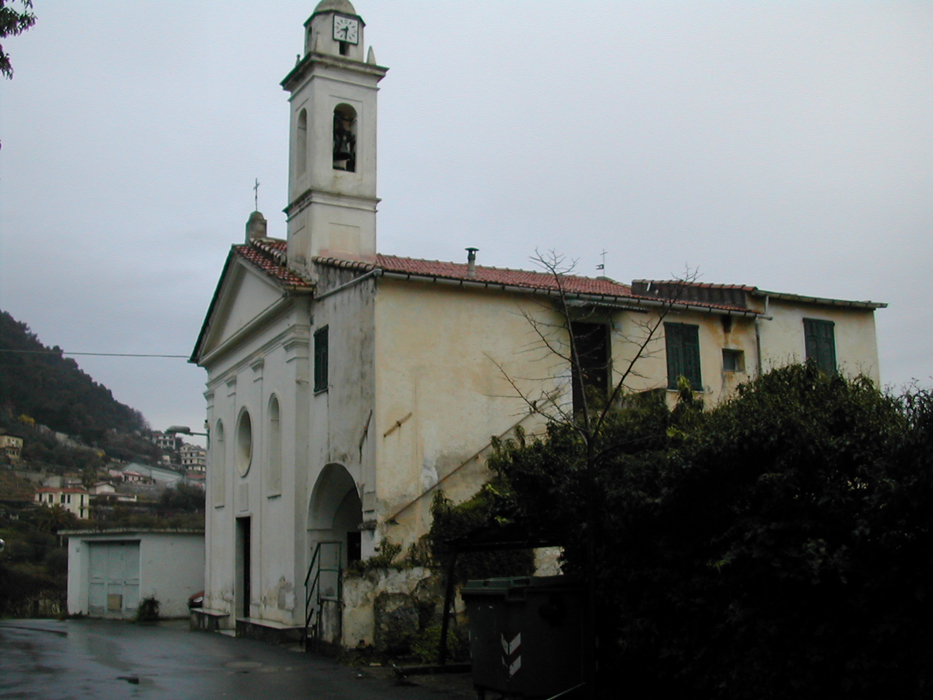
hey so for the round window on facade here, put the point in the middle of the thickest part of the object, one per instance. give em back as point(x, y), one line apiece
point(244, 443)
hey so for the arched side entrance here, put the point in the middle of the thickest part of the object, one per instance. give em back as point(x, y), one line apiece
point(335, 512)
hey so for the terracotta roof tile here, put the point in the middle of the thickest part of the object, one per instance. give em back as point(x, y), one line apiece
point(573, 284)
point(268, 254)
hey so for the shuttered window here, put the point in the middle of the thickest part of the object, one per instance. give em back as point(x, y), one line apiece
point(683, 354)
point(820, 340)
point(591, 344)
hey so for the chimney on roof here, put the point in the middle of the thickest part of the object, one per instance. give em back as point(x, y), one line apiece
point(471, 262)
point(255, 226)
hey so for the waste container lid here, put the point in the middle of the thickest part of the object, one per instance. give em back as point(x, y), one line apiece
point(494, 586)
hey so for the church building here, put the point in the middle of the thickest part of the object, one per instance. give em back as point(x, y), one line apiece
point(346, 386)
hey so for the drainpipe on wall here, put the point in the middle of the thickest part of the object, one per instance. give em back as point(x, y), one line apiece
point(758, 332)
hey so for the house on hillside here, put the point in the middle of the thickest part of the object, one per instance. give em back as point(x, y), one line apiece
point(193, 458)
point(74, 500)
point(346, 386)
point(167, 442)
point(11, 447)
point(103, 488)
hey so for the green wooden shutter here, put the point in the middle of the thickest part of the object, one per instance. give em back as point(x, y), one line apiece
point(820, 342)
point(691, 342)
point(675, 355)
point(683, 354)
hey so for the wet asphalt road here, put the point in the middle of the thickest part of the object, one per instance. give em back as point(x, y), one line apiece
point(100, 660)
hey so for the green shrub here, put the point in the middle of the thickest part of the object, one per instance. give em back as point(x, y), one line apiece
point(452, 521)
point(148, 610)
point(426, 646)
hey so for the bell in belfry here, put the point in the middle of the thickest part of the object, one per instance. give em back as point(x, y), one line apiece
point(344, 142)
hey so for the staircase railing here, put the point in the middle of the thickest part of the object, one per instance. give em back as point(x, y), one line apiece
point(314, 596)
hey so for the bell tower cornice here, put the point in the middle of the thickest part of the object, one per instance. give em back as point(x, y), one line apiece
point(313, 62)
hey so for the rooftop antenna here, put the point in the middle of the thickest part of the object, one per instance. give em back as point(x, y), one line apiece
point(256, 195)
point(602, 265)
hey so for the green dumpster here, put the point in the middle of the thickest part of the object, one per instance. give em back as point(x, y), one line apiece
point(526, 634)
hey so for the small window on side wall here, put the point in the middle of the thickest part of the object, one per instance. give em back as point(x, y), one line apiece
point(733, 360)
point(820, 341)
point(320, 360)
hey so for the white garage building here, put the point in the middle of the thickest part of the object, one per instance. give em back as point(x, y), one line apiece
point(110, 571)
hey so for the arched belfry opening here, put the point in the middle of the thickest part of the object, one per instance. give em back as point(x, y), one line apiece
point(335, 512)
point(345, 138)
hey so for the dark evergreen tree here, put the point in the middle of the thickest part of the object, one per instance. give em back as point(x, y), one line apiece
point(775, 546)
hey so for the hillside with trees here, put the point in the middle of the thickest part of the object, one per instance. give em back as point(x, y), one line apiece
point(69, 424)
point(38, 385)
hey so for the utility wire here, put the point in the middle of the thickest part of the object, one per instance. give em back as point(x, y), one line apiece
point(96, 354)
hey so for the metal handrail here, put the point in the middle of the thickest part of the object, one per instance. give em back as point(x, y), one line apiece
point(315, 587)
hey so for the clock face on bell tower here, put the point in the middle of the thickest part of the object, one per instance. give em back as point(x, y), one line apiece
point(346, 29)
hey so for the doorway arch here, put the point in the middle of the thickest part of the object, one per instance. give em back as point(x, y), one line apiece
point(335, 512)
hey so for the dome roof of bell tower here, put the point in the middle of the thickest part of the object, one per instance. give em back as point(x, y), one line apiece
point(343, 6)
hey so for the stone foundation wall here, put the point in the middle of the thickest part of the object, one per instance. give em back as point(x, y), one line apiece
point(389, 609)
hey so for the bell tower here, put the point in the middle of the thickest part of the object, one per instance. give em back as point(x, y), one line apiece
point(332, 154)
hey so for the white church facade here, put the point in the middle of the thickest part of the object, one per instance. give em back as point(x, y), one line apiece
point(346, 386)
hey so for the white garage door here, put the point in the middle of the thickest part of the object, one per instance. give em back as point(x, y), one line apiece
point(114, 584)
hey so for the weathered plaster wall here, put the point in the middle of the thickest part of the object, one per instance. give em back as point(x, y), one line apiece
point(651, 371)
point(782, 343)
point(341, 418)
point(441, 395)
point(363, 593)
point(782, 338)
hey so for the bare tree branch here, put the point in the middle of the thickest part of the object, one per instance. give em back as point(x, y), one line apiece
point(669, 303)
point(556, 339)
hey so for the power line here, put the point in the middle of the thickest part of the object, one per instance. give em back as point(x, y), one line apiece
point(95, 354)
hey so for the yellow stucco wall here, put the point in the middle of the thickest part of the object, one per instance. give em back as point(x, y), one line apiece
point(443, 355)
point(856, 344)
point(441, 395)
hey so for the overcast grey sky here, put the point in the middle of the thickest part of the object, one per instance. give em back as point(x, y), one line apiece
point(786, 145)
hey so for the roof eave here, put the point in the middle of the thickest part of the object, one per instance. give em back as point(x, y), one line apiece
point(617, 301)
point(209, 316)
point(800, 298)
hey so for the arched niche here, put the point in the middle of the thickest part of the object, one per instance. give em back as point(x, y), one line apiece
point(218, 472)
point(301, 143)
point(274, 448)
